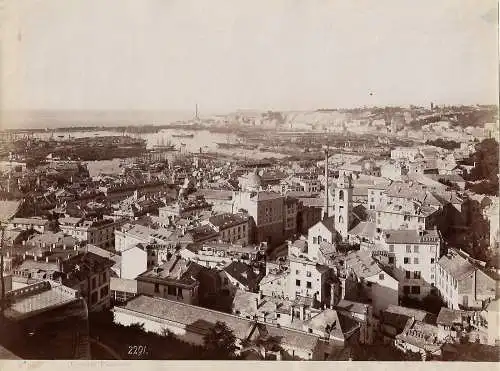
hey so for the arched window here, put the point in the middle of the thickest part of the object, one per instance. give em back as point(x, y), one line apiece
point(341, 195)
point(341, 220)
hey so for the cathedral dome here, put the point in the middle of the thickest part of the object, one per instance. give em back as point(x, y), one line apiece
point(254, 180)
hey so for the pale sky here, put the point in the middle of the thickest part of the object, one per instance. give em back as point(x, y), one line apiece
point(226, 55)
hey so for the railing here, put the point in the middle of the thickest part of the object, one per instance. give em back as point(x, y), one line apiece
point(29, 290)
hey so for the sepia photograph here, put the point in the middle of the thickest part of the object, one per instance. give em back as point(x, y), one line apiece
point(273, 180)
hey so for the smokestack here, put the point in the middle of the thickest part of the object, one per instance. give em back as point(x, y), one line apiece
point(326, 183)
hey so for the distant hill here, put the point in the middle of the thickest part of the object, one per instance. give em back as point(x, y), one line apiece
point(53, 118)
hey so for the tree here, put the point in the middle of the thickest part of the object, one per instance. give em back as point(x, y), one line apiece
point(219, 342)
point(433, 303)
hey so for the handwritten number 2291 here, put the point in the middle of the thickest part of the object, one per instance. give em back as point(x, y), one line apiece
point(136, 350)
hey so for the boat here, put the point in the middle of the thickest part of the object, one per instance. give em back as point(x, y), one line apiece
point(182, 135)
point(162, 146)
point(238, 144)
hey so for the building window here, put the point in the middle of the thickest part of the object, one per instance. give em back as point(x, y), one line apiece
point(391, 259)
point(297, 282)
point(408, 248)
point(406, 290)
point(104, 291)
point(277, 315)
point(408, 274)
point(416, 274)
point(415, 260)
point(308, 285)
point(94, 283)
point(381, 276)
point(415, 290)
point(157, 287)
point(308, 274)
point(93, 297)
point(391, 248)
point(341, 195)
point(432, 260)
point(315, 240)
point(171, 290)
point(415, 248)
point(297, 272)
point(310, 330)
point(406, 260)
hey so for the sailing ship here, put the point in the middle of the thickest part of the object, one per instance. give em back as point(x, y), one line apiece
point(239, 145)
point(161, 145)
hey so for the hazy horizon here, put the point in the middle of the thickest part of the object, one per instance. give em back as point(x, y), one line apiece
point(168, 55)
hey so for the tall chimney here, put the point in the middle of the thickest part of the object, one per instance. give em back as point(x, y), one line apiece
point(326, 184)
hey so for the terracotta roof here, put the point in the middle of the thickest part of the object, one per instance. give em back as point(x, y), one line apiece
point(227, 220)
point(329, 223)
point(198, 319)
point(449, 317)
point(455, 264)
point(411, 236)
point(243, 273)
point(123, 285)
point(364, 229)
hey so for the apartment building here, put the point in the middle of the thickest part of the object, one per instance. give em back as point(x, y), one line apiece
point(322, 231)
point(405, 153)
point(232, 228)
point(100, 233)
point(179, 279)
point(215, 254)
point(405, 214)
point(87, 273)
point(463, 283)
point(184, 208)
point(412, 256)
point(90, 275)
point(37, 224)
point(132, 234)
point(307, 278)
point(267, 212)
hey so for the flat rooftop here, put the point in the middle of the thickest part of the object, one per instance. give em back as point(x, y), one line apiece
point(36, 298)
